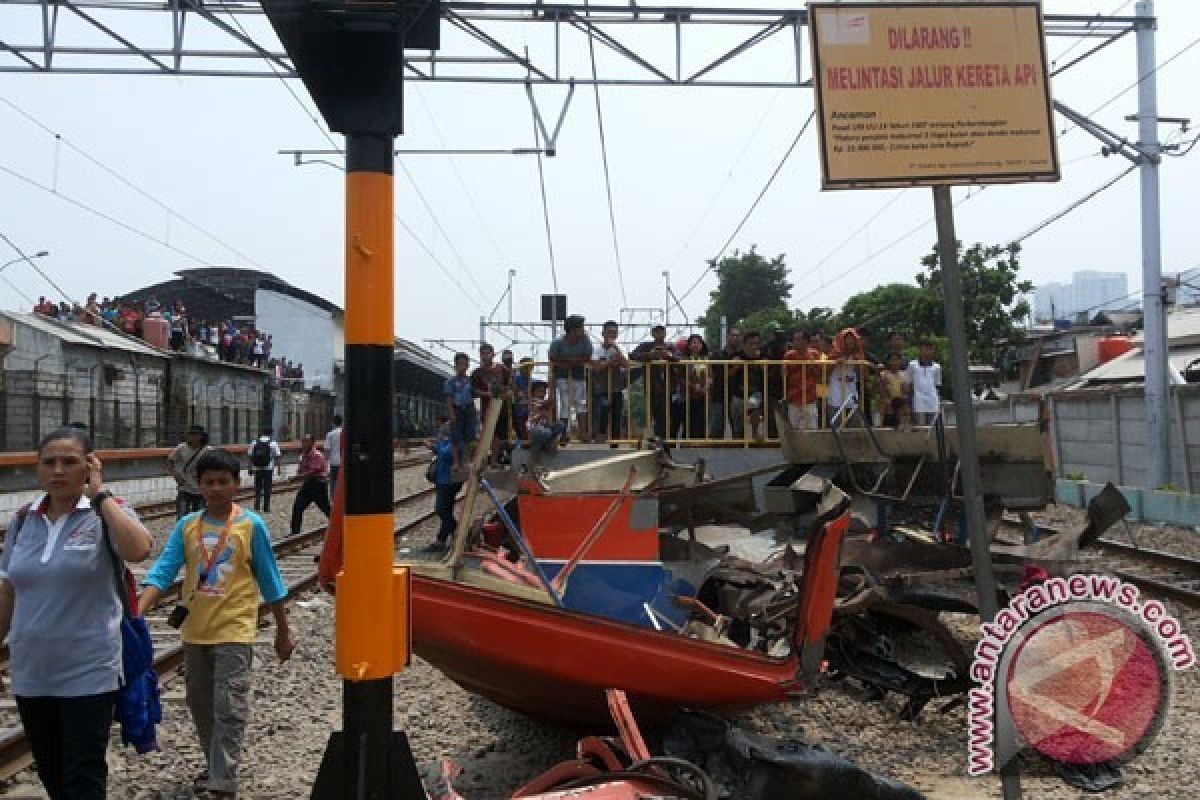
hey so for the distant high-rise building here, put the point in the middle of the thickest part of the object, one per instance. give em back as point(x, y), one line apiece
point(1089, 290)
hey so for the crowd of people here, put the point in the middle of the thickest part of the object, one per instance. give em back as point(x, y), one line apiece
point(682, 390)
point(170, 326)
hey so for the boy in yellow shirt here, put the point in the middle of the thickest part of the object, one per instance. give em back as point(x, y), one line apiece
point(226, 554)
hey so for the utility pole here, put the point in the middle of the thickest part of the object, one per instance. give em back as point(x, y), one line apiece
point(667, 298)
point(511, 274)
point(1157, 393)
point(482, 329)
point(964, 426)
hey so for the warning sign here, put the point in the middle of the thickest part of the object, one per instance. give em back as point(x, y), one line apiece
point(918, 94)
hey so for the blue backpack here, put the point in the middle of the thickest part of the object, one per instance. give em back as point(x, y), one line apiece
point(138, 707)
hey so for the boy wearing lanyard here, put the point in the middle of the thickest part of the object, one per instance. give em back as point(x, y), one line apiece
point(225, 551)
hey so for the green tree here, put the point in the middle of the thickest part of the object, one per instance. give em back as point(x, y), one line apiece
point(887, 308)
point(990, 289)
point(760, 320)
point(746, 283)
point(818, 319)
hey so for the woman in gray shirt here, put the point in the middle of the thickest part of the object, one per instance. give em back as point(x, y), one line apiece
point(60, 610)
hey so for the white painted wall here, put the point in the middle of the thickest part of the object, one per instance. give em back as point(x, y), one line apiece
point(300, 332)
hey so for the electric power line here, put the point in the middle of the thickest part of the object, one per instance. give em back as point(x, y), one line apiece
point(1074, 205)
point(62, 140)
point(612, 215)
point(746, 217)
point(333, 144)
point(537, 143)
point(1136, 83)
point(720, 192)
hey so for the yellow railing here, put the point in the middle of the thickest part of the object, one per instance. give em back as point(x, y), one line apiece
point(710, 402)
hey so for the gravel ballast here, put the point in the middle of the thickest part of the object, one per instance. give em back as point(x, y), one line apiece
point(297, 704)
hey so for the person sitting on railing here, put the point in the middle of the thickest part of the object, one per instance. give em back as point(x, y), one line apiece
point(569, 355)
point(656, 354)
point(545, 433)
point(844, 384)
point(802, 384)
point(746, 384)
point(609, 378)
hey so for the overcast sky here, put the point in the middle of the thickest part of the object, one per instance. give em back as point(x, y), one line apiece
point(685, 165)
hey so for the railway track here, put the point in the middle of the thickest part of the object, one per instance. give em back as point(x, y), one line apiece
point(154, 511)
point(296, 557)
point(1161, 573)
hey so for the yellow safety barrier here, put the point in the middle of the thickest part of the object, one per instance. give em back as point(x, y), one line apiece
point(696, 402)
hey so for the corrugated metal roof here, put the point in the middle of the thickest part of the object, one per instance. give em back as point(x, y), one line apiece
point(78, 333)
point(1131, 366)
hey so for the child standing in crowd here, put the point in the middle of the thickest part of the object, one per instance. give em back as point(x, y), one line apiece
point(521, 382)
point(226, 555)
point(460, 405)
point(544, 433)
point(802, 384)
point(608, 385)
point(893, 392)
point(925, 378)
point(489, 382)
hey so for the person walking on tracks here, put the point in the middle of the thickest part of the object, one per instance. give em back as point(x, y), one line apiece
point(265, 462)
point(333, 450)
point(225, 552)
point(315, 488)
point(61, 612)
point(182, 463)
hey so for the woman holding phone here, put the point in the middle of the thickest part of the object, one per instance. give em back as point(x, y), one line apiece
point(61, 612)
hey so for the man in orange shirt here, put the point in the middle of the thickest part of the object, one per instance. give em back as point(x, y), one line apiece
point(802, 384)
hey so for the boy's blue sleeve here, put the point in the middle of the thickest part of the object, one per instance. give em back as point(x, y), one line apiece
point(262, 564)
point(163, 573)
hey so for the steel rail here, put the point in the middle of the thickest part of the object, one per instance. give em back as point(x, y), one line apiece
point(15, 754)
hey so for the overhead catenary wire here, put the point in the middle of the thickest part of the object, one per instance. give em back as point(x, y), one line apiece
point(1055, 217)
point(894, 243)
point(61, 140)
point(37, 267)
point(1157, 67)
point(750, 211)
point(729, 174)
point(333, 144)
point(541, 171)
point(612, 214)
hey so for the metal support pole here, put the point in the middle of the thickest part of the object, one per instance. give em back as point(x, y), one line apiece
point(667, 298)
point(482, 329)
point(964, 416)
point(1158, 413)
point(511, 274)
point(724, 331)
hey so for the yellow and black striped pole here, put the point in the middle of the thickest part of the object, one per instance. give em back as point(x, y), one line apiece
point(350, 56)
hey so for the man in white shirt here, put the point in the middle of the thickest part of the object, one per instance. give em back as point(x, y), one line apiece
point(333, 450)
point(924, 375)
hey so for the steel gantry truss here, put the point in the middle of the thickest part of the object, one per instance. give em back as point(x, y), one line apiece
point(483, 42)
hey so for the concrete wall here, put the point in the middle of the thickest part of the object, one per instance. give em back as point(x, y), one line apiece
point(1101, 434)
point(1086, 426)
point(47, 382)
point(311, 334)
point(226, 399)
